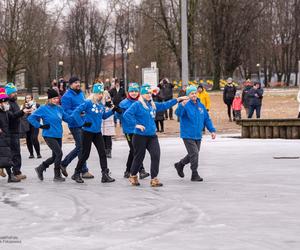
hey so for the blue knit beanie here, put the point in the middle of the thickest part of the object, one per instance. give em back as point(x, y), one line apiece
point(134, 87)
point(145, 89)
point(190, 89)
point(98, 88)
point(10, 88)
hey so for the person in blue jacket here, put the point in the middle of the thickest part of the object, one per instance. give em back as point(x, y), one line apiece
point(128, 128)
point(52, 116)
point(142, 114)
point(193, 118)
point(89, 115)
point(69, 102)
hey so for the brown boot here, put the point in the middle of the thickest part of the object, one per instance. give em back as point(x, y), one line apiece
point(87, 175)
point(155, 183)
point(133, 179)
point(2, 173)
point(21, 176)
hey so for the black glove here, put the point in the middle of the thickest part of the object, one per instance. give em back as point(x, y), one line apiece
point(108, 104)
point(117, 109)
point(87, 124)
point(45, 126)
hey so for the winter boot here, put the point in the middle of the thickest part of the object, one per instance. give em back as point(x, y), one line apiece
point(76, 177)
point(18, 174)
point(155, 183)
point(87, 175)
point(126, 174)
point(196, 176)
point(143, 174)
point(39, 170)
point(64, 171)
point(106, 177)
point(133, 179)
point(31, 157)
point(57, 175)
point(179, 167)
point(11, 177)
point(2, 173)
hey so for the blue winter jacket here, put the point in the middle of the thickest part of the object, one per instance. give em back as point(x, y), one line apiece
point(193, 118)
point(93, 113)
point(138, 115)
point(128, 126)
point(69, 102)
point(52, 115)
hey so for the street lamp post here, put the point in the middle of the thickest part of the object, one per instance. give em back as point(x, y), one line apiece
point(184, 44)
point(58, 65)
point(258, 72)
point(127, 52)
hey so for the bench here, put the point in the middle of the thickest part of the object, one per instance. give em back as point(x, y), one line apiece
point(270, 128)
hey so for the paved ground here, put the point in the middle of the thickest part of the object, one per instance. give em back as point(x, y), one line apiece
point(248, 201)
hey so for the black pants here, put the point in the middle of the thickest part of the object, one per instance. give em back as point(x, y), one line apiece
point(55, 145)
point(237, 114)
point(170, 111)
point(16, 153)
point(32, 140)
point(229, 110)
point(140, 144)
point(257, 108)
point(87, 139)
point(193, 148)
point(161, 123)
point(299, 115)
point(131, 153)
point(107, 141)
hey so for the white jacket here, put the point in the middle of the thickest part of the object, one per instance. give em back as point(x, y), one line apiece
point(108, 126)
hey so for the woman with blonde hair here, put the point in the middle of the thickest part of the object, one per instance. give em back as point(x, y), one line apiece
point(90, 115)
point(142, 113)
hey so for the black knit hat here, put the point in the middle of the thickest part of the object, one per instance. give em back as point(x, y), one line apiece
point(52, 93)
point(73, 79)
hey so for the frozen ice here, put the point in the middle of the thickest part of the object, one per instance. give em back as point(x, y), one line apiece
point(248, 200)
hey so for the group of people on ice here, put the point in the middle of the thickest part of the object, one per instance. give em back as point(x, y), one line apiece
point(84, 118)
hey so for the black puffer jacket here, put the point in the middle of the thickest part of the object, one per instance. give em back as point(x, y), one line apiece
point(5, 153)
point(229, 93)
point(14, 116)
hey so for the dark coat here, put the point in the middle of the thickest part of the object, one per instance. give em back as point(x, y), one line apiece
point(166, 91)
point(246, 97)
point(117, 96)
point(5, 153)
point(228, 94)
point(159, 115)
point(14, 117)
point(256, 96)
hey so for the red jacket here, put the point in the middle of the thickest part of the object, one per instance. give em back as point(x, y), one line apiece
point(237, 103)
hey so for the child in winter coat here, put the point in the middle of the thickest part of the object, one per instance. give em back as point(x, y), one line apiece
point(237, 106)
point(108, 125)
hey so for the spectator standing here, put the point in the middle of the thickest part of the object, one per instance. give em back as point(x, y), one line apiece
point(245, 95)
point(117, 94)
point(166, 90)
point(256, 96)
point(228, 96)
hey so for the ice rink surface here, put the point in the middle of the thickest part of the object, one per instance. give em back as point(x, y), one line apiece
point(248, 200)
